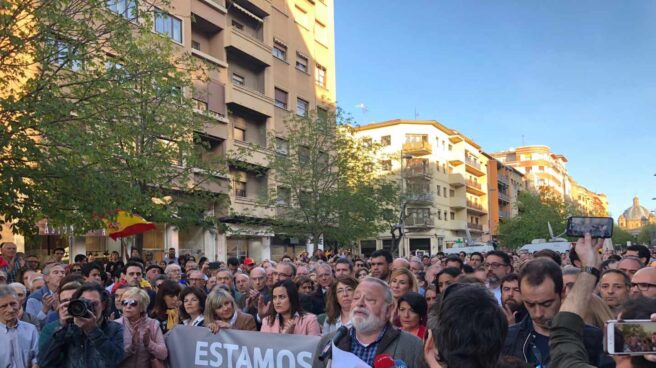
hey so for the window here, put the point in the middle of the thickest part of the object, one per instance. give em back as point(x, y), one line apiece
point(386, 140)
point(450, 148)
point(302, 107)
point(453, 216)
point(452, 193)
point(415, 138)
point(199, 105)
point(320, 33)
point(281, 98)
point(66, 56)
point(284, 196)
point(439, 190)
point(239, 134)
point(444, 192)
point(386, 165)
point(303, 155)
point(439, 214)
point(322, 113)
point(238, 80)
point(320, 75)
point(125, 8)
point(282, 146)
point(237, 25)
point(239, 184)
point(168, 25)
point(301, 63)
point(279, 50)
point(302, 17)
point(195, 45)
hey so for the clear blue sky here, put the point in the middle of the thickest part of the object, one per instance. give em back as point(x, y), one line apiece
point(578, 76)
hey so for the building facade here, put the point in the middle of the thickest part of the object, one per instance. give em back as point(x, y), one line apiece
point(444, 184)
point(270, 58)
point(545, 171)
point(505, 183)
point(634, 218)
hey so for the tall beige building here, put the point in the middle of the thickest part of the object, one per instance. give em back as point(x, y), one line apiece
point(271, 58)
point(443, 176)
point(546, 171)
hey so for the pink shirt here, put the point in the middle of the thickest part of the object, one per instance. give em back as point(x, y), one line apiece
point(305, 325)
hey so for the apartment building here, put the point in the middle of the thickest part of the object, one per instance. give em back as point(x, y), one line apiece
point(545, 170)
point(505, 183)
point(444, 184)
point(270, 58)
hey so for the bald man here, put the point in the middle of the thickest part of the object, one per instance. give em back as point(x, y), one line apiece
point(400, 263)
point(643, 283)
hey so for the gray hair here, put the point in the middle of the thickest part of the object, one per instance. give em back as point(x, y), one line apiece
point(19, 286)
point(49, 267)
point(571, 270)
point(6, 290)
point(389, 298)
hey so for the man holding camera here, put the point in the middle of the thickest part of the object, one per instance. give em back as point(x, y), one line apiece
point(84, 338)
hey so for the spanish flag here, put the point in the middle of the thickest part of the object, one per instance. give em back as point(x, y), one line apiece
point(127, 224)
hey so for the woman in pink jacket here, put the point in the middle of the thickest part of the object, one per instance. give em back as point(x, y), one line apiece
point(142, 337)
point(285, 314)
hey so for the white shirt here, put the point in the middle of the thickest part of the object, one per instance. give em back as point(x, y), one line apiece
point(198, 320)
point(18, 346)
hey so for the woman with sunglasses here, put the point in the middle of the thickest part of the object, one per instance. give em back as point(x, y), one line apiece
point(142, 337)
point(192, 307)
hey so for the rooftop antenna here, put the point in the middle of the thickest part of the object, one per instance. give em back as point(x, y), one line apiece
point(523, 144)
point(416, 113)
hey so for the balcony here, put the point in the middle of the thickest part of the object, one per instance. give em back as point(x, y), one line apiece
point(414, 222)
point(251, 99)
point(475, 207)
point(458, 225)
point(417, 168)
point(503, 179)
point(473, 167)
point(458, 203)
point(249, 45)
point(457, 180)
point(252, 153)
point(475, 227)
point(417, 148)
point(503, 197)
point(244, 206)
point(419, 197)
point(474, 188)
point(504, 214)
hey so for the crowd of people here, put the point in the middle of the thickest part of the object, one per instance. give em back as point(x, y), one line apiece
point(499, 309)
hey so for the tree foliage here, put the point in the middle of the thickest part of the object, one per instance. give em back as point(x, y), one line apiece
point(621, 236)
point(647, 234)
point(535, 212)
point(96, 117)
point(330, 182)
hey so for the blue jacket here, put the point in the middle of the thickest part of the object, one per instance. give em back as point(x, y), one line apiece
point(71, 348)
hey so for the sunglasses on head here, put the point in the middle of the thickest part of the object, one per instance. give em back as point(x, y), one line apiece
point(130, 302)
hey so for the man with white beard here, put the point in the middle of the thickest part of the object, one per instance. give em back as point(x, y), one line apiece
point(372, 335)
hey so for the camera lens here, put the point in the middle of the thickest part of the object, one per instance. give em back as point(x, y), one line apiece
point(78, 308)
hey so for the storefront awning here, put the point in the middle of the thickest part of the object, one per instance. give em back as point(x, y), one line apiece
point(247, 12)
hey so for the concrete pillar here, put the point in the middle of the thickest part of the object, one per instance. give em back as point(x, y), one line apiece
point(266, 247)
point(221, 247)
point(77, 246)
point(171, 239)
point(210, 244)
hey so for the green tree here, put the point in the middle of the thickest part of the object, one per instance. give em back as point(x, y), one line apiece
point(96, 116)
point(621, 236)
point(534, 213)
point(328, 183)
point(647, 234)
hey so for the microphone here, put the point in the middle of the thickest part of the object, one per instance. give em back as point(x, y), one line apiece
point(327, 350)
point(384, 361)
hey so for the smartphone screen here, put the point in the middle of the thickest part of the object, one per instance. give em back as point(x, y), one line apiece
point(598, 227)
point(631, 337)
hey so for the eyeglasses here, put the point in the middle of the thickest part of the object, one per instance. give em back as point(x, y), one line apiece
point(494, 265)
point(344, 290)
point(642, 286)
point(281, 274)
point(130, 302)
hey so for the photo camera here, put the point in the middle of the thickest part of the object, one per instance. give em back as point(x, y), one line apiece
point(80, 308)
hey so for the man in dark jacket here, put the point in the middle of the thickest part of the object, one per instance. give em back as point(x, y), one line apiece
point(541, 286)
point(372, 335)
point(89, 341)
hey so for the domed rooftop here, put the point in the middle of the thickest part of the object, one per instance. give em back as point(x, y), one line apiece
point(636, 212)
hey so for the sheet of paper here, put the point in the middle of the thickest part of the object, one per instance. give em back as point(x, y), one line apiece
point(344, 359)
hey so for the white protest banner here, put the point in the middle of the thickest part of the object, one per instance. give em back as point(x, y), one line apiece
point(191, 347)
